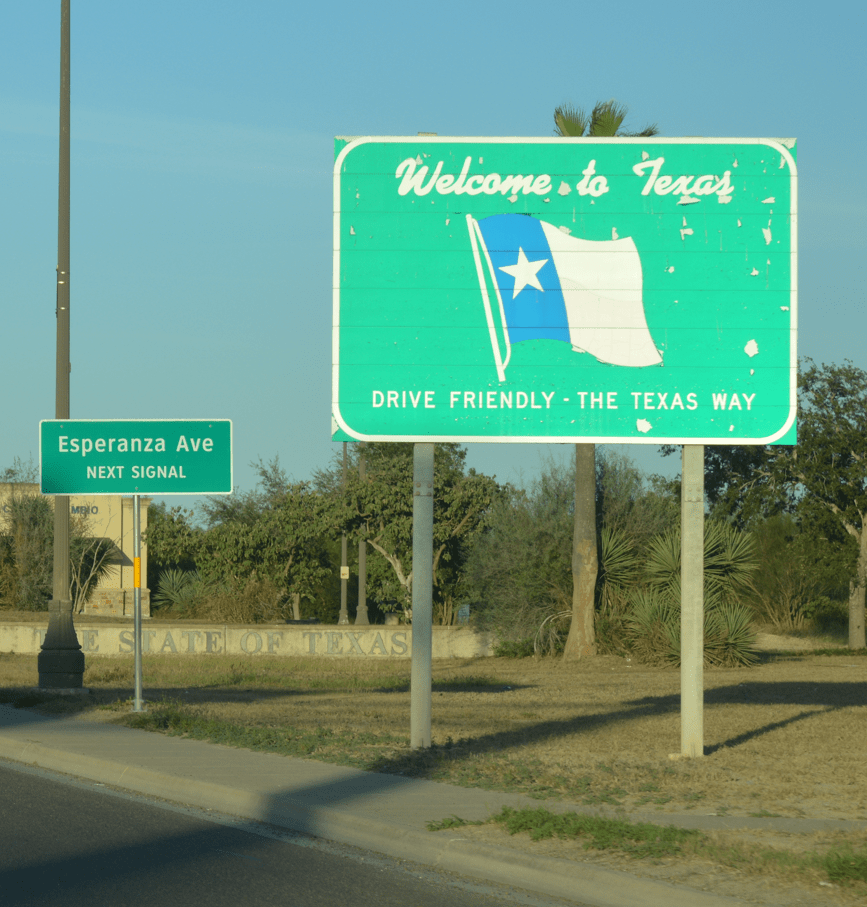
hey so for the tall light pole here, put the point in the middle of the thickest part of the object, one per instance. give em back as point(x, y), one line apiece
point(61, 661)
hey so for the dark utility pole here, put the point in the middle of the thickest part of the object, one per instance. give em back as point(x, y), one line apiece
point(61, 661)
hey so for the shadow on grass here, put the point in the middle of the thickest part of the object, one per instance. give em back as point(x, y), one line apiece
point(824, 697)
point(761, 731)
point(439, 760)
point(99, 696)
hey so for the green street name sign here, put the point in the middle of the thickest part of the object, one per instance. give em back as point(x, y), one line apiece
point(135, 456)
point(615, 290)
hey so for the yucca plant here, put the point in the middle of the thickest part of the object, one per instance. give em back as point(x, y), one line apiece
point(651, 624)
point(181, 591)
point(729, 561)
point(619, 566)
point(653, 630)
point(619, 573)
point(550, 638)
point(729, 637)
point(653, 627)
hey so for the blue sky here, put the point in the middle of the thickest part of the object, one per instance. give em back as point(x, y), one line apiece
point(202, 152)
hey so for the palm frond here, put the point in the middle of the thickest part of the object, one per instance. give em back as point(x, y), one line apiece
point(606, 119)
point(570, 122)
point(619, 564)
point(729, 638)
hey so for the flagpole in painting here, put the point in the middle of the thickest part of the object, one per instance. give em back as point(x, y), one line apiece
point(477, 242)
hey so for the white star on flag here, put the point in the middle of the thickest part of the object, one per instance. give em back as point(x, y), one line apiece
point(524, 272)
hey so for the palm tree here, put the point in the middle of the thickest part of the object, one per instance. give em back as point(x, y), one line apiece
point(604, 121)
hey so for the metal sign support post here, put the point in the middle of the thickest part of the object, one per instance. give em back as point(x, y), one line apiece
point(692, 602)
point(422, 593)
point(138, 703)
point(343, 618)
point(361, 616)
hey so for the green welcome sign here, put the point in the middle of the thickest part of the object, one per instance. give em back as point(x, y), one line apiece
point(614, 290)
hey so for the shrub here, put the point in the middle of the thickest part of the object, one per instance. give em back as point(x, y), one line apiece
point(729, 637)
point(550, 638)
point(180, 591)
point(652, 627)
point(794, 584)
point(653, 630)
point(729, 561)
point(518, 573)
point(26, 552)
point(514, 648)
point(828, 615)
point(254, 599)
point(619, 572)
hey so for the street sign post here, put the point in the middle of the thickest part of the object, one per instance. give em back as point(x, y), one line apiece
point(135, 456)
point(632, 290)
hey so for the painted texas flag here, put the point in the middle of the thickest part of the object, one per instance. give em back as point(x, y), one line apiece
point(550, 285)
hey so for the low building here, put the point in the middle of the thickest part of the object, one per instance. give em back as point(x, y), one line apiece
point(107, 517)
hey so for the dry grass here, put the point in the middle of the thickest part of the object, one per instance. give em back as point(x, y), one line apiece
point(783, 738)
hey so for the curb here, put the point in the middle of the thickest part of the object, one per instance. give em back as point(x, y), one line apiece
point(545, 875)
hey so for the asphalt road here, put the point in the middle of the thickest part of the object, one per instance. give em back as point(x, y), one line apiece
point(67, 842)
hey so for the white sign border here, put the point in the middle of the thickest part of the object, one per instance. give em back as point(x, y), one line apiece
point(778, 145)
point(148, 494)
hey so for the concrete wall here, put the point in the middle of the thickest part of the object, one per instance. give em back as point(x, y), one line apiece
point(102, 516)
point(252, 640)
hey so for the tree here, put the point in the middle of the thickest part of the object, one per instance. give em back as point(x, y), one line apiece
point(27, 545)
point(728, 470)
point(823, 478)
point(247, 506)
point(604, 121)
point(173, 540)
point(518, 574)
point(830, 462)
point(26, 554)
point(378, 510)
point(267, 546)
point(274, 533)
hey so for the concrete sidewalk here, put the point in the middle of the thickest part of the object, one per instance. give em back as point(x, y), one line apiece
point(382, 813)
